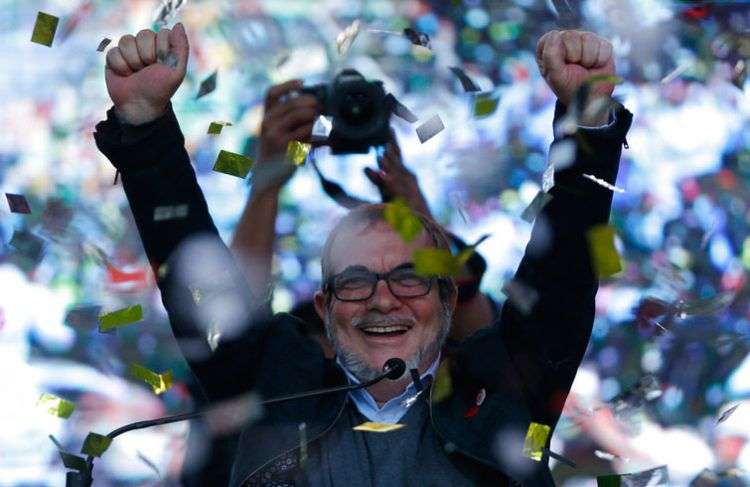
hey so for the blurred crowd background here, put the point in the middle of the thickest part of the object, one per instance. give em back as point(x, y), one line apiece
point(671, 342)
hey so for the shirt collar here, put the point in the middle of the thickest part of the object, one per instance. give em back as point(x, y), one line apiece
point(395, 408)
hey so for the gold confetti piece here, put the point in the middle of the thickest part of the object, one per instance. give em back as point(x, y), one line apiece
point(432, 262)
point(233, 164)
point(403, 221)
point(536, 438)
point(160, 383)
point(44, 29)
point(604, 78)
point(56, 406)
point(429, 129)
point(536, 206)
point(485, 105)
point(73, 462)
point(443, 386)
point(215, 127)
point(378, 427)
point(604, 256)
point(345, 39)
point(604, 183)
point(296, 152)
point(120, 317)
point(95, 444)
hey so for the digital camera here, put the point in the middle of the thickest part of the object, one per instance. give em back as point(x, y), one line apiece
point(360, 112)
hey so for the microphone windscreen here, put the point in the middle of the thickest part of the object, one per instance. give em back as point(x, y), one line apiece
point(395, 367)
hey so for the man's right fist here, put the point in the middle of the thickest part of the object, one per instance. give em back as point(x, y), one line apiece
point(140, 78)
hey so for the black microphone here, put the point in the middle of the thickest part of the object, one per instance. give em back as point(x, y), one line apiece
point(393, 369)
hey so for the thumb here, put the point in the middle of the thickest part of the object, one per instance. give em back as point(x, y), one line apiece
point(179, 42)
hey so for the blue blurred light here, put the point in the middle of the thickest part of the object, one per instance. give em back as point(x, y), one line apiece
point(477, 18)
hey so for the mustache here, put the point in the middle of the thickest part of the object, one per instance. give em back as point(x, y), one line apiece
point(381, 320)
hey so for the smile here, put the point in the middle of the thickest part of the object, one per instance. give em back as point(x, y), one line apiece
point(384, 331)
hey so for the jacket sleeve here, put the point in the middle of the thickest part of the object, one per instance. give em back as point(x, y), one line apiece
point(156, 172)
point(547, 343)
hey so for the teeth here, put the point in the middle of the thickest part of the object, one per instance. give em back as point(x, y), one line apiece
point(385, 329)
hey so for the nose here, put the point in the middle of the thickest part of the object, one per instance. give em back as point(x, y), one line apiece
point(383, 299)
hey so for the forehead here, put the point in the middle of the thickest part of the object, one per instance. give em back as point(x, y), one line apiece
point(374, 245)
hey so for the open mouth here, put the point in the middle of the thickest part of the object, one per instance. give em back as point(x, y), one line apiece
point(385, 331)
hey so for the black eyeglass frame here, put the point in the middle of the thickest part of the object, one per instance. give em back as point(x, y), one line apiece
point(329, 288)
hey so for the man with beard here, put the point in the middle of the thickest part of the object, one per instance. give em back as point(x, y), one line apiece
point(462, 419)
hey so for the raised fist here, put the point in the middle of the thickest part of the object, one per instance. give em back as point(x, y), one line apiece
point(143, 72)
point(568, 58)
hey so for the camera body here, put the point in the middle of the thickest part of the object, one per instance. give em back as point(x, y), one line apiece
point(360, 112)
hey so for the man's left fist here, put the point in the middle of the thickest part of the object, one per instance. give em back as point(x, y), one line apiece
point(568, 58)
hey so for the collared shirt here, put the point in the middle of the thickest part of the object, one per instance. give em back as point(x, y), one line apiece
point(393, 410)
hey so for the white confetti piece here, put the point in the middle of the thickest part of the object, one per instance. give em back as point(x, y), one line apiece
point(429, 129)
point(604, 183)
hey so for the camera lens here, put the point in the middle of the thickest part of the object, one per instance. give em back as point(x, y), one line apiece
point(357, 108)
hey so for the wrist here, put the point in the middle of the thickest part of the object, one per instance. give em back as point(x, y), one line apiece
point(138, 113)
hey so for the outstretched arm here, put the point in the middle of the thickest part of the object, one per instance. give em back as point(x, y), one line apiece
point(547, 344)
point(142, 139)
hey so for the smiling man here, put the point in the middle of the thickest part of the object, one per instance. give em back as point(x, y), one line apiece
point(464, 416)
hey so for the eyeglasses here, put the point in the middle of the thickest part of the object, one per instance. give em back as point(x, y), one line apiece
point(358, 283)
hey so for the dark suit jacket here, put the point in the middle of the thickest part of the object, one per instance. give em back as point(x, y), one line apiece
point(525, 362)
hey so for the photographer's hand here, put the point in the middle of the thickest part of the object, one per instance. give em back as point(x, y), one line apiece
point(394, 180)
point(139, 79)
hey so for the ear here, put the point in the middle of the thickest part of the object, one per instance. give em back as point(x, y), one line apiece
point(320, 305)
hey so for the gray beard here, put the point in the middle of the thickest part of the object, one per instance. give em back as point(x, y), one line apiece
point(358, 366)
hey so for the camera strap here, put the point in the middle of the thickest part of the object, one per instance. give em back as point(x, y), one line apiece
point(333, 189)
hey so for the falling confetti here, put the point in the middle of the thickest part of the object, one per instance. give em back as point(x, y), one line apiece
point(604, 183)
point(466, 82)
point(400, 110)
point(44, 29)
point(233, 164)
point(604, 256)
point(536, 206)
point(417, 38)
point(402, 219)
point(725, 415)
point(208, 85)
point(122, 317)
point(215, 128)
point(164, 213)
point(296, 152)
point(103, 44)
point(536, 438)
point(346, 37)
point(374, 427)
point(95, 444)
point(430, 128)
point(56, 406)
point(18, 203)
point(160, 383)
